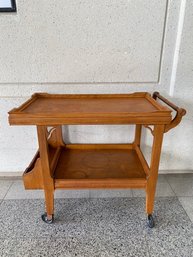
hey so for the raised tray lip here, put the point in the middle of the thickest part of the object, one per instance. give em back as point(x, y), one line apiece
point(16, 113)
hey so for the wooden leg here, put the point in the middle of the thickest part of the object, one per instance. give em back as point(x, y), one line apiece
point(137, 134)
point(49, 201)
point(154, 166)
point(48, 182)
point(59, 136)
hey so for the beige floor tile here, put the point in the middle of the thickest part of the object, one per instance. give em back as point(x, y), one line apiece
point(101, 193)
point(179, 178)
point(187, 203)
point(4, 187)
point(182, 189)
point(71, 193)
point(17, 191)
point(162, 189)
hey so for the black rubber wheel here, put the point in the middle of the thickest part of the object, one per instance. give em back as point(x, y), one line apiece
point(150, 221)
point(46, 220)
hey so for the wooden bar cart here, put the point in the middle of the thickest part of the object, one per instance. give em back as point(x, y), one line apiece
point(57, 165)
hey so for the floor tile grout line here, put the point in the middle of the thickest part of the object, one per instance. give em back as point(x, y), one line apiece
point(177, 181)
point(8, 190)
point(172, 188)
point(176, 193)
point(185, 209)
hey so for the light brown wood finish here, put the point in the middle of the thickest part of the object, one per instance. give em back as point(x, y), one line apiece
point(100, 184)
point(99, 146)
point(154, 166)
point(60, 165)
point(142, 160)
point(102, 167)
point(32, 176)
point(137, 140)
point(46, 172)
point(49, 201)
point(45, 109)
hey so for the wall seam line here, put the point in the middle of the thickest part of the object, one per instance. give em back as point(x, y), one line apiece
point(177, 47)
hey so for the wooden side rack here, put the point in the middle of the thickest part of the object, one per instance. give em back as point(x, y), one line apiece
point(57, 165)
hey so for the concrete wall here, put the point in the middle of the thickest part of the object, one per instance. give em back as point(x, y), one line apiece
point(99, 46)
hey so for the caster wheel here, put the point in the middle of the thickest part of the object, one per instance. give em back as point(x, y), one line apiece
point(150, 221)
point(46, 220)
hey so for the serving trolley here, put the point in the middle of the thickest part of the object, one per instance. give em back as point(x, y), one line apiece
point(58, 165)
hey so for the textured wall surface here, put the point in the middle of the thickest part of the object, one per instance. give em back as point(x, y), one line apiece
point(96, 47)
point(85, 41)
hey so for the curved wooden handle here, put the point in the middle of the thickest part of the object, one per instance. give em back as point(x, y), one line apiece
point(180, 112)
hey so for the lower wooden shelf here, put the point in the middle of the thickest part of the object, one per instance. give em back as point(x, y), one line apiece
point(99, 168)
point(93, 166)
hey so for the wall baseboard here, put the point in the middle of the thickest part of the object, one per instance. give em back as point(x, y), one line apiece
point(20, 173)
point(175, 171)
point(11, 174)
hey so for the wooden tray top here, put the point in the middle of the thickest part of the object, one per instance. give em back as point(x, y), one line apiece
point(53, 109)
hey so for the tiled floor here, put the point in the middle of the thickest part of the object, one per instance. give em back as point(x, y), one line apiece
point(180, 185)
point(112, 225)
